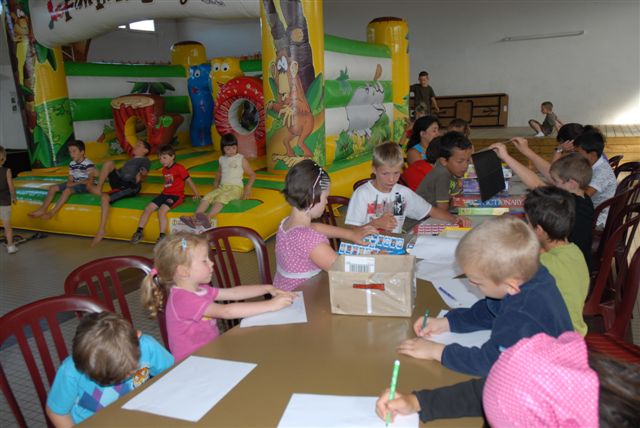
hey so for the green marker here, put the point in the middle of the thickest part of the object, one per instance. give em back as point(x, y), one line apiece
point(392, 390)
point(424, 320)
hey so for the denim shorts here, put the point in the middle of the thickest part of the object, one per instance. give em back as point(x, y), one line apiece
point(76, 188)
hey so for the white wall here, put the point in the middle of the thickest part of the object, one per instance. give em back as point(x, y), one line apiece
point(222, 38)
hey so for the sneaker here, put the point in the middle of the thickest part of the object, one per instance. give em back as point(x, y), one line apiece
point(203, 219)
point(160, 238)
point(539, 134)
point(189, 221)
point(12, 249)
point(137, 237)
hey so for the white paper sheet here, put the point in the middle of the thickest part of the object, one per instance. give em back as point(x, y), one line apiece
point(293, 314)
point(314, 411)
point(430, 271)
point(477, 338)
point(457, 293)
point(190, 389)
point(435, 248)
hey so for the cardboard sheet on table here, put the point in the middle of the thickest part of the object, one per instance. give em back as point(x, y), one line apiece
point(435, 249)
point(476, 338)
point(489, 172)
point(293, 314)
point(464, 294)
point(194, 387)
point(311, 410)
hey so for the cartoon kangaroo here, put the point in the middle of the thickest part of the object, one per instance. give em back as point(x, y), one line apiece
point(291, 104)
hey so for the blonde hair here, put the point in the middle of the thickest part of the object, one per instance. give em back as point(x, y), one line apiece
point(173, 251)
point(389, 154)
point(501, 248)
point(573, 166)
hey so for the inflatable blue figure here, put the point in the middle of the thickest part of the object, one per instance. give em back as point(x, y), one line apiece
point(199, 84)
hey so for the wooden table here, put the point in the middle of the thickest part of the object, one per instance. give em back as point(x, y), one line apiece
point(331, 354)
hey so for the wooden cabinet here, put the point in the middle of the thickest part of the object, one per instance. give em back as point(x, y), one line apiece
point(478, 110)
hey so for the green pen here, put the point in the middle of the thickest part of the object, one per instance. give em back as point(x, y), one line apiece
point(392, 390)
point(424, 320)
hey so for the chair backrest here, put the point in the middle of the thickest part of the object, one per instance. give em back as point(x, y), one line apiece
point(609, 283)
point(627, 167)
point(616, 205)
point(329, 215)
point(39, 317)
point(361, 182)
point(101, 280)
point(629, 296)
point(630, 183)
point(615, 160)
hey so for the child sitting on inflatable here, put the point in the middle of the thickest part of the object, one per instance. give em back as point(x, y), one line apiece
point(227, 184)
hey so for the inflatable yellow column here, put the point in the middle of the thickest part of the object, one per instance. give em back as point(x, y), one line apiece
point(292, 65)
point(393, 32)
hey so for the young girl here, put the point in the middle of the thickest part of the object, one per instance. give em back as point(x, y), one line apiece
point(302, 248)
point(227, 185)
point(183, 273)
point(175, 175)
point(425, 130)
point(7, 197)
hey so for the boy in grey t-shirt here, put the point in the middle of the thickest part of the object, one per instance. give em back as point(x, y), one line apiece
point(550, 124)
point(125, 182)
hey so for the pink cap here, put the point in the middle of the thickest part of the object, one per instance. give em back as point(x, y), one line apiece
point(543, 381)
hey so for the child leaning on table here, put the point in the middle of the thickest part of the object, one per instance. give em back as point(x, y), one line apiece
point(181, 278)
point(500, 258)
point(302, 247)
point(109, 358)
point(383, 203)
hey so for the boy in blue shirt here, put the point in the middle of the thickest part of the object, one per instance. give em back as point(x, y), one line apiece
point(501, 258)
point(109, 359)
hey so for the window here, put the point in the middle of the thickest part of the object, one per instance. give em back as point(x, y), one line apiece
point(146, 25)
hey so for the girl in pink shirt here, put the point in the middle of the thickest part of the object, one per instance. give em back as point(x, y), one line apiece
point(182, 274)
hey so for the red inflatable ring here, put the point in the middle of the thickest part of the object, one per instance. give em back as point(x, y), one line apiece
point(240, 102)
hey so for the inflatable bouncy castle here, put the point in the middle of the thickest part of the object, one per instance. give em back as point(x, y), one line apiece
point(308, 95)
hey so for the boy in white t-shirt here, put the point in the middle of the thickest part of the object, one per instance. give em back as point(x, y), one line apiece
point(383, 203)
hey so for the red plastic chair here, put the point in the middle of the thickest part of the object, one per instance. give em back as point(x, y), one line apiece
point(607, 297)
point(630, 167)
point(101, 279)
point(612, 341)
point(361, 182)
point(329, 216)
point(39, 317)
point(225, 267)
point(615, 161)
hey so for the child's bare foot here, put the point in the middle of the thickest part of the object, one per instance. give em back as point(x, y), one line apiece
point(96, 239)
point(36, 213)
point(46, 216)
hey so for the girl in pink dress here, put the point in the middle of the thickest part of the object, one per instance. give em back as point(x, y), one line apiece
point(183, 273)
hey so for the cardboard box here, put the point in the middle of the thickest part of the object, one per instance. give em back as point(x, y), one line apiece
point(373, 285)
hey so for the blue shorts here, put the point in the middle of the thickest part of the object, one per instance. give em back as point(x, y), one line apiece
point(75, 188)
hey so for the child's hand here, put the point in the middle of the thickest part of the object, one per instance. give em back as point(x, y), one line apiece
point(500, 149)
point(280, 301)
point(434, 326)
point(196, 197)
point(421, 349)
point(520, 143)
point(14, 200)
point(463, 221)
point(567, 146)
point(386, 222)
point(277, 292)
point(404, 404)
point(246, 194)
point(359, 233)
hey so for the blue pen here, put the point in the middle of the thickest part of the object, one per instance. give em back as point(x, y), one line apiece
point(446, 293)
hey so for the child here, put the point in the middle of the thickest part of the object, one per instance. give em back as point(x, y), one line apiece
point(540, 381)
point(109, 359)
point(182, 275)
point(227, 185)
point(444, 181)
point(81, 174)
point(425, 130)
point(500, 257)
point(424, 94)
point(125, 182)
point(383, 203)
point(551, 211)
point(7, 197)
point(551, 122)
point(302, 247)
point(459, 125)
point(571, 173)
point(565, 138)
point(590, 144)
point(175, 175)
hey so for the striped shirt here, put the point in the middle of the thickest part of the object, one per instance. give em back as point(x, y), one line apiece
point(79, 171)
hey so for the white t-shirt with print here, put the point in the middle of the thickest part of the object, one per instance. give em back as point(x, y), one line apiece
point(605, 183)
point(368, 203)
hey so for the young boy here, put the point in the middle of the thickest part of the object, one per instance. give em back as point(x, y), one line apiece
point(175, 176)
point(444, 180)
point(227, 185)
point(572, 173)
point(550, 212)
point(459, 125)
point(125, 182)
point(81, 174)
point(423, 93)
point(7, 197)
point(500, 257)
point(590, 144)
point(109, 359)
point(551, 122)
point(383, 203)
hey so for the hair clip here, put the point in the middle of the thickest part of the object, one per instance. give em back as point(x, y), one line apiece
point(153, 272)
point(183, 244)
